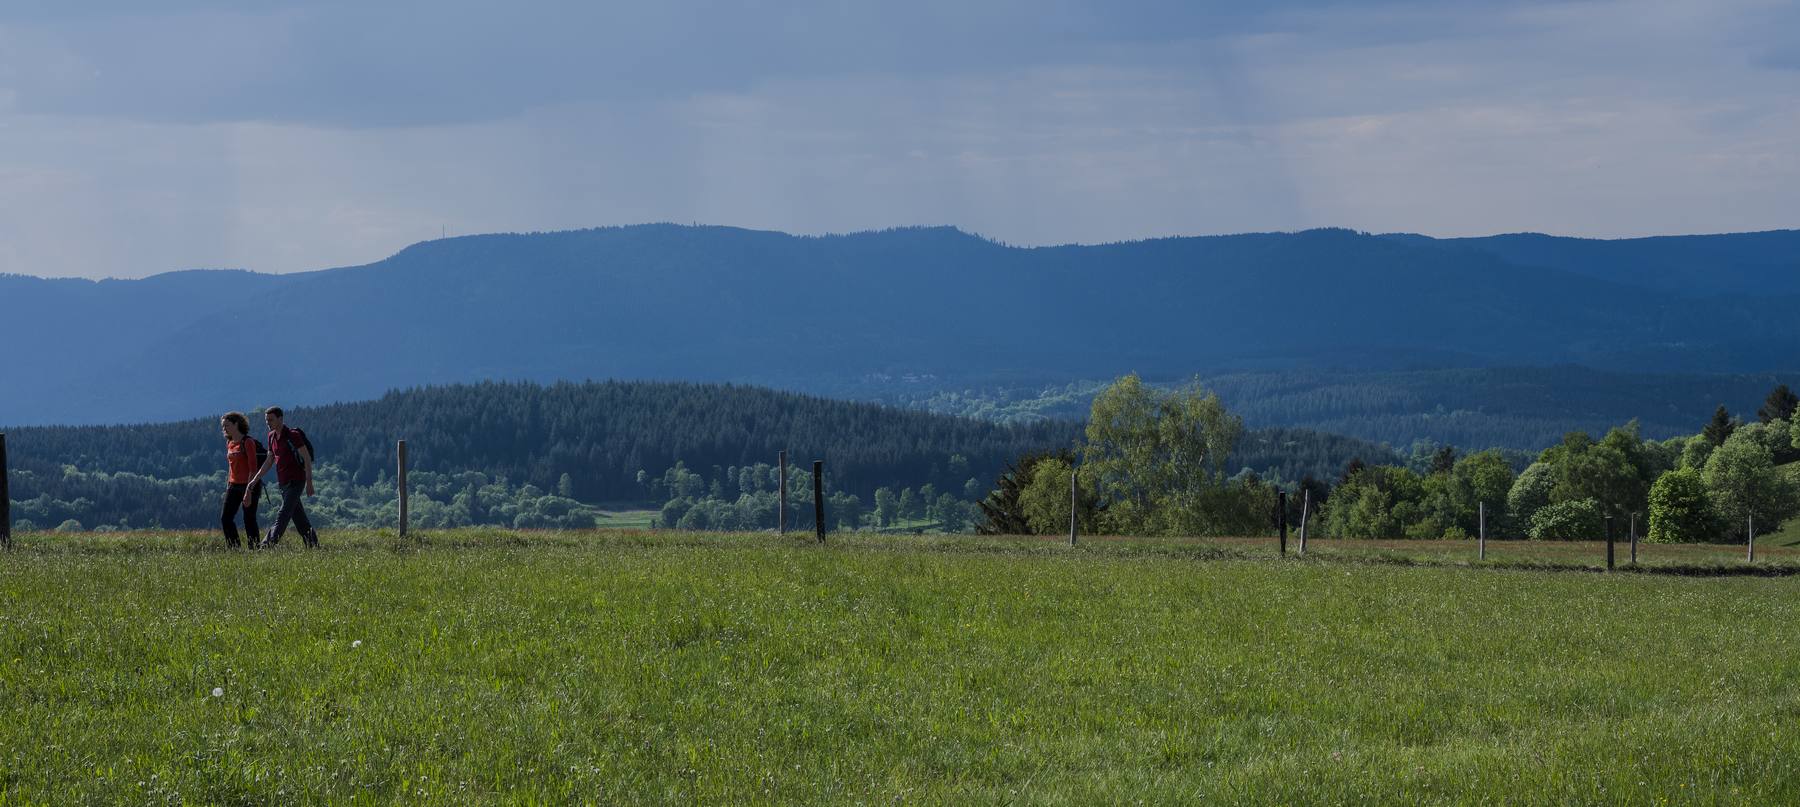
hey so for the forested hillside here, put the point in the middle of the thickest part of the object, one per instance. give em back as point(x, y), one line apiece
point(593, 443)
point(1742, 263)
point(599, 434)
point(1516, 408)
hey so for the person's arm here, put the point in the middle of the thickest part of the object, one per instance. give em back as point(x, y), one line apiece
point(306, 461)
point(267, 461)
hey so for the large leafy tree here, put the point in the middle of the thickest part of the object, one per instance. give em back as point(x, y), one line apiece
point(1046, 500)
point(1615, 472)
point(1743, 482)
point(1158, 457)
point(1379, 501)
point(1483, 477)
point(1529, 493)
point(1694, 451)
point(1599, 472)
point(1679, 509)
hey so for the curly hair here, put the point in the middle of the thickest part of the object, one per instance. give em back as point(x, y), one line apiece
point(237, 419)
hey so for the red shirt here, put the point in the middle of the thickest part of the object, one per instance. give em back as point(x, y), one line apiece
point(288, 467)
point(240, 458)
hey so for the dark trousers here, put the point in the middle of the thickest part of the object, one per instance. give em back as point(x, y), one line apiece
point(240, 498)
point(292, 510)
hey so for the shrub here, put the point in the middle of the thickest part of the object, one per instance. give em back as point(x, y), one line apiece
point(1530, 492)
point(1679, 509)
point(1574, 520)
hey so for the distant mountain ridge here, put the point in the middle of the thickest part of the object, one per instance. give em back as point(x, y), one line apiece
point(676, 302)
point(1739, 263)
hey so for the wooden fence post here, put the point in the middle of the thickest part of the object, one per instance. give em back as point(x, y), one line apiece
point(1481, 531)
point(1750, 539)
point(400, 480)
point(1609, 544)
point(1634, 539)
point(819, 498)
point(1074, 501)
point(781, 509)
point(1281, 504)
point(5, 498)
point(1305, 510)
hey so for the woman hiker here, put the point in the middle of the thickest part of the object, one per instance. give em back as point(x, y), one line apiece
point(242, 456)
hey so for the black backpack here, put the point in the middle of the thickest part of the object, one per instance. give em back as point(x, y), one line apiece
point(298, 439)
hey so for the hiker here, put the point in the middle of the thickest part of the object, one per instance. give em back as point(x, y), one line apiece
point(291, 455)
point(242, 455)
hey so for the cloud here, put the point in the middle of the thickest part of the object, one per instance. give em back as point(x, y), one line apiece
point(281, 136)
point(411, 62)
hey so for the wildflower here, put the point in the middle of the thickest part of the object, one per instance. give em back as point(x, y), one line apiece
point(356, 644)
point(218, 692)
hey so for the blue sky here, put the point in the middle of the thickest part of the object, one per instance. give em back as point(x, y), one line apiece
point(141, 137)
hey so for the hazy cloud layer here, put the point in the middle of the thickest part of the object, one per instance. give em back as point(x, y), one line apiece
point(281, 136)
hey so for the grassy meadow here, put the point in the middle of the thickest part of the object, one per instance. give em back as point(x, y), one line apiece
point(484, 666)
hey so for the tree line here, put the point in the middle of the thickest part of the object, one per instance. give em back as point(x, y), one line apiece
point(1153, 459)
point(1151, 463)
point(598, 434)
point(1519, 408)
point(589, 444)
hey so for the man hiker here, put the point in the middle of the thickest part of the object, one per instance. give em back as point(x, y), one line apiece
point(291, 455)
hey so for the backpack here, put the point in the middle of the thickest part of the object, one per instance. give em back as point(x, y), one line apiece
point(297, 439)
point(254, 494)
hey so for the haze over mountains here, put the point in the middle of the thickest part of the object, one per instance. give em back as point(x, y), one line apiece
point(724, 304)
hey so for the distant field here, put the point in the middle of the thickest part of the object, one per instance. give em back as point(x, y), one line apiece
point(482, 666)
point(628, 519)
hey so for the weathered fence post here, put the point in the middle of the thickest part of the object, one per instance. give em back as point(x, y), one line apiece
point(5, 499)
point(1305, 510)
point(1281, 504)
point(400, 481)
point(1074, 501)
point(1634, 539)
point(1481, 531)
point(819, 498)
point(781, 509)
point(1750, 539)
point(1609, 544)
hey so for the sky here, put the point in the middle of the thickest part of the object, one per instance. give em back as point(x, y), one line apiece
point(139, 137)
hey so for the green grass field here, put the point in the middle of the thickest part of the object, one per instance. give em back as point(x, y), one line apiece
point(628, 519)
point(626, 667)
